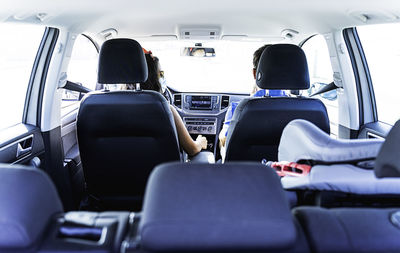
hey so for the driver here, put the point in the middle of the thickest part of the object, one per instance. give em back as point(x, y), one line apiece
point(256, 92)
point(154, 82)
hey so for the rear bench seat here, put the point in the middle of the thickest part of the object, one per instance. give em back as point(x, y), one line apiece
point(192, 208)
point(214, 208)
point(32, 218)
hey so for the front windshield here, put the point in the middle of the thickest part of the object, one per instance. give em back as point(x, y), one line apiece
point(230, 71)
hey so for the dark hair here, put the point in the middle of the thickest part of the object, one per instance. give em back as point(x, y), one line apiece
point(257, 55)
point(153, 66)
point(152, 82)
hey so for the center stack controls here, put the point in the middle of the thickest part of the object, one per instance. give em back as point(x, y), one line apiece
point(203, 125)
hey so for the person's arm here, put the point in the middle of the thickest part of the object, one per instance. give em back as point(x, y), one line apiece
point(185, 140)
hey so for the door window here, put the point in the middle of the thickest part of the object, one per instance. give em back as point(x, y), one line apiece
point(19, 45)
point(381, 45)
point(321, 74)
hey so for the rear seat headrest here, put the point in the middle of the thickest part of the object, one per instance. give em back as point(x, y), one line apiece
point(28, 202)
point(122, 61)
point(283, 67)
point(215, 207)
point(387, 163)
point(301, 140)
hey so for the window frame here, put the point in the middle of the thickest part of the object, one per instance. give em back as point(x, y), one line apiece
point(73, 86)
point(363, 81)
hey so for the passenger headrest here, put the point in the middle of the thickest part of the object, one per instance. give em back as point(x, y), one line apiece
point(215, 207)
point(122, 61)
point(387, 163)
point(28, 202)
point(302, 140)
point(283, 67)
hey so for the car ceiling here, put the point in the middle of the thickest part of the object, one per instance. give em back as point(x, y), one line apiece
point(254, 18)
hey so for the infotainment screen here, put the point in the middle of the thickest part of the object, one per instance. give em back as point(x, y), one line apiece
point(201, 103)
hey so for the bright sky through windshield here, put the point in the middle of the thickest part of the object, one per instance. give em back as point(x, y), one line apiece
point(230, 71)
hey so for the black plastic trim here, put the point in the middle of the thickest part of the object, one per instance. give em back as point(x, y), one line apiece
point(348, 37)
point(33, 74)
point(54, 33)
point(76, 87)
point(367, 73)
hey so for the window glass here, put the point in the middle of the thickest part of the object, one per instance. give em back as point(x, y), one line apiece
point(381, 44)
point(82, 68)
point(321, 74)
point(18, 48)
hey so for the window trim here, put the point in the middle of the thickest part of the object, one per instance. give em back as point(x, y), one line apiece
point(34, 70)
point(91, 40)
point(361, 71)
point(47, 53)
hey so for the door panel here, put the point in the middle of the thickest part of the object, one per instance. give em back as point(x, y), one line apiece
point(20, 144)
point(374, 130)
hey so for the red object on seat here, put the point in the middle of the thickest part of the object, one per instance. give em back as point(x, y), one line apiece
point(291, 169)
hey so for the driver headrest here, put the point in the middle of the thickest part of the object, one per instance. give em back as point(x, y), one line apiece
point(29, 201)
point(122, 61)
point(283, 67)
point(215, 207)
point(387, 162)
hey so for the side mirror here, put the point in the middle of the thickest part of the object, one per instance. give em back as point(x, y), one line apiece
point(325, 90)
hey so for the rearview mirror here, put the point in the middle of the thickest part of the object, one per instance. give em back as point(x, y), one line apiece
point(198, 51)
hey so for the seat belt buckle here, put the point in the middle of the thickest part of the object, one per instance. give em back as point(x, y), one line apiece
point(290, 169)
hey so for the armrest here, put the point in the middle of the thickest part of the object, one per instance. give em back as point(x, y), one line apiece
point(302, 140)
point(203, 157)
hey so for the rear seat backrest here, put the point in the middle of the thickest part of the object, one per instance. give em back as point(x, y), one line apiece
point(219, 207)
point(28, 202)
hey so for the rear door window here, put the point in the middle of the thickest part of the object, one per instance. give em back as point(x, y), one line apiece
point(19, 45)
point(381, 45)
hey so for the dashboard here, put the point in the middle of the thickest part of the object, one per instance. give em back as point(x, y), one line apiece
point(204, 113)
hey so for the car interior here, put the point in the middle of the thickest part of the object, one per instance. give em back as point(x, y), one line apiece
point(292, 104)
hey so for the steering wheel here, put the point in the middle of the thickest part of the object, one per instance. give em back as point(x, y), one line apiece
point(168, 95)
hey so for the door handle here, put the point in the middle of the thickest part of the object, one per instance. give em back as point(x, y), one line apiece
point(24, 147)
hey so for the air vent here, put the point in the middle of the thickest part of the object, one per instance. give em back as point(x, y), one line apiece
point(178, 101)
point(224, 102)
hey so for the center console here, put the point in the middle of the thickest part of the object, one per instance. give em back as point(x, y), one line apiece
point(201, 125)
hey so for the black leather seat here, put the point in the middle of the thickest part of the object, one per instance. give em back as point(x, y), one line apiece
point(257, 123)
point(238, 207)
point(122, 135)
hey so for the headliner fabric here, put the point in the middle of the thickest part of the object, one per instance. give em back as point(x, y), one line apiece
point(283, 67)
point(387, 163)
point(122, 61)
point(237, 206)
point(28, 202)
point(302, 140)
